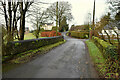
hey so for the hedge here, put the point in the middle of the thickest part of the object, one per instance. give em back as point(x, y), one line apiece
point(81, 35)
point(108, 50)
point(17, 47)
point(50, 34)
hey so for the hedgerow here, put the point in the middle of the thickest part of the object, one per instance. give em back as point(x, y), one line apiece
point(50, 34)
point(17, 47)
point(82, 35)
point(111, 55)
point(108, 50)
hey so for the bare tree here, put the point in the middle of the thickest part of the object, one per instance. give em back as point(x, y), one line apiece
point(9, 10)
point(105, 20)
point(64, 9)
point(114, 5)
point(24, 6)
point(15, 10)
point(38, 17)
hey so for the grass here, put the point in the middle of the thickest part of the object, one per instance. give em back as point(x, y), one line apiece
point(29, 36)
point(97, 58)
point(27, 56)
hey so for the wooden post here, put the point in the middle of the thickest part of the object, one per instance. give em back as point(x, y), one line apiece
point(93, 16)
point(56, 18)
point(93, 26)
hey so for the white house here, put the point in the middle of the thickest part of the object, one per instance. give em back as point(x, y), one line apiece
point(111, 27)
point(111, 31)
point(47, 26)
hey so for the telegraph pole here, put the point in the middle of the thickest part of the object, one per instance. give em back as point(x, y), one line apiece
point(93, 24)
point(89, 25)
point(56, 17)
point(93, 16)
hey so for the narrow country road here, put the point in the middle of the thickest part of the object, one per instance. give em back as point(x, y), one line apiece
point(70, 60)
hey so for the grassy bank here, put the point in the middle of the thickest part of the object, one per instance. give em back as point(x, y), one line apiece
point(27, 56)
point(97, 58)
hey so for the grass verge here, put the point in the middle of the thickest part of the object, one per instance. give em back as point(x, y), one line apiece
point(29, 36)
point(27, 56)
point(97, 58)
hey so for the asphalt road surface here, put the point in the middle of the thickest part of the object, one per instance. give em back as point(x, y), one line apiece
point(69, 60)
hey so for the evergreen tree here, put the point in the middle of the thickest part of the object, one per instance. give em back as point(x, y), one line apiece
point(63, 25)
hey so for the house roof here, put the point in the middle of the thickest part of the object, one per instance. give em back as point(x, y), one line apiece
point(78, 27)
point(47, 23)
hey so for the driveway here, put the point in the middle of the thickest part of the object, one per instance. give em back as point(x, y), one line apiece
point(69, 60)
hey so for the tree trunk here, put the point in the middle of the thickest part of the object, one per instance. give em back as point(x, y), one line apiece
point(108, 37)
point(118, 41)
point(10, 37)
point(14, 22)
point(56, 18)
point(22, 17)
point(38, 30)
point(21, 31)
point(119, 48)
point(22, 27)
point(102, 36)
point(117, 36)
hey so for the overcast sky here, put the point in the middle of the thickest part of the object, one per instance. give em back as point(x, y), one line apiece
point(80, 9)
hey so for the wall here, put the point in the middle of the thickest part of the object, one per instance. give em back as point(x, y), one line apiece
point(17, 47)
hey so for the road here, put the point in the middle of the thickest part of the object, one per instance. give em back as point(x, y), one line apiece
point(69, 60)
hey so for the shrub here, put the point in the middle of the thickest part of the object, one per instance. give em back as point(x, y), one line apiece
point(81, 35)
point(50, 34)
point(42, 30)
point(54, 28)
point(108, 50)
point(45, 34)
point(110, 54)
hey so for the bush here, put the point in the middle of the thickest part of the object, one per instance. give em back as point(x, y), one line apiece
point(54, 28)
point(50, 34)
point(108, 50)
point(36, 33)
point(81, 35)
point(42, 30)
point(110, 54)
